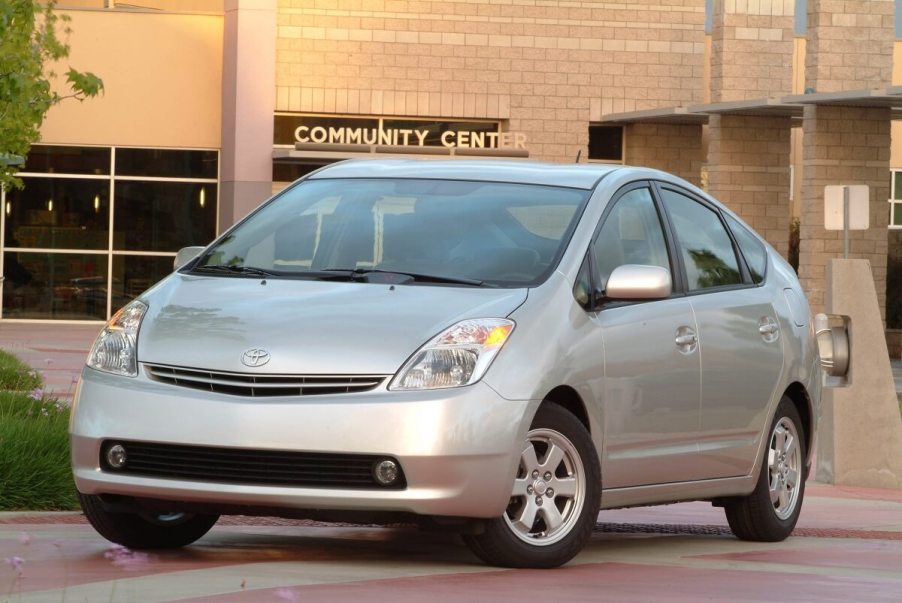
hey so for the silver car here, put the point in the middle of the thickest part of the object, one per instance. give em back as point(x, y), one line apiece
point(497, 348)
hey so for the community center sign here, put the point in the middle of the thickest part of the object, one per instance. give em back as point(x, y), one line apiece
point(395, 132)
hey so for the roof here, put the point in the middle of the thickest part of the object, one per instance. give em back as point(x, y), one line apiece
point(573, 175)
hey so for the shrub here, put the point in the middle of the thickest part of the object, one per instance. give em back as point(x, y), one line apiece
point(35, 472)
point(15, 374)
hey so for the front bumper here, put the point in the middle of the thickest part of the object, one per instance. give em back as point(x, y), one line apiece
point(458, 448)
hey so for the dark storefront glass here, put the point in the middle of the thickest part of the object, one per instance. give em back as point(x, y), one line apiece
point(163, 216)
point(58, 213)
point(606, 143)
point(48, 159)
point(291, 171)
point(165, 163)
point(70, 286)
point(132, 275)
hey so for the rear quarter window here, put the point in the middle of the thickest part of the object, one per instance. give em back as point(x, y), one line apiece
point(753, 250)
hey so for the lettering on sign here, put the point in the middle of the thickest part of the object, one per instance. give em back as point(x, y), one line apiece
point(409, 137)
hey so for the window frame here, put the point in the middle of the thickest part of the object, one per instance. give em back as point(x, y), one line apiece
point(746, 281)
point(597, 301)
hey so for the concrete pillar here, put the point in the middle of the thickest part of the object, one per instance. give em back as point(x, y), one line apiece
point(751, 50)
point(674, 148)
point(248, 102)
point(748, 169)
point(850, 47)
point(860, 440)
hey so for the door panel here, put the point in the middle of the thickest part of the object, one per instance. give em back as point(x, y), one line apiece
point(742, 355)
point(652, 386)
point(651, 394)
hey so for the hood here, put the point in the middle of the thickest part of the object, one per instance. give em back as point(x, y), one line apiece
point(307, 326)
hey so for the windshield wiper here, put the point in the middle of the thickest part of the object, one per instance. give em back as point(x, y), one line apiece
point(236, 270)
point(363, 274)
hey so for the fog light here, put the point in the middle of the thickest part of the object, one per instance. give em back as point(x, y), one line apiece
point(116, 457)
point(386, 472)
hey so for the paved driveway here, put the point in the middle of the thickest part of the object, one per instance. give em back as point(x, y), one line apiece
point(848, 547)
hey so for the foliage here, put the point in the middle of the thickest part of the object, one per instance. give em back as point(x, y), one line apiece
point(793, 256)
point(15, 374)
point(30, 41)
point(35, 473)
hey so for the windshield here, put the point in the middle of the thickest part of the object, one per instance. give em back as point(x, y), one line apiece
point(451, 231)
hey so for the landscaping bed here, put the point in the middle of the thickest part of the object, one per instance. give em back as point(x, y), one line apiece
point(35, 472)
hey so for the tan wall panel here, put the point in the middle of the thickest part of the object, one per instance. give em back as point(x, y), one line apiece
point(163, 80)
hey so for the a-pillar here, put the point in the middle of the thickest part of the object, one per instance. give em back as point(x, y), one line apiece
point(748, 169)
point(248, 102)
point(674, 148)
point(850, 47)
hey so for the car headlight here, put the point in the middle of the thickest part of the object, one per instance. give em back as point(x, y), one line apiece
point(457, 356)
point(115, 350)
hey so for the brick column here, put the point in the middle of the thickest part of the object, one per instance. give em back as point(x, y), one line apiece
point(748, 169)
point(748, 156)
point(751, 50)
point(843, 145)
point(850, 47)
point(674, 148)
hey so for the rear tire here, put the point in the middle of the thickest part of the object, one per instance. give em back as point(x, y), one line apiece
point(554, 499)
point(145, 531)
point(770, 512)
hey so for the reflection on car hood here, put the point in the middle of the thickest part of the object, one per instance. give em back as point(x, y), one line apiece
point(307, 326)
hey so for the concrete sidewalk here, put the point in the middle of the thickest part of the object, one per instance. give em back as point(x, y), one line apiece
point(57, 351)
point(847, 547)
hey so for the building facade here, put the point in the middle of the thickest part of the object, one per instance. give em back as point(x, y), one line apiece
point(212, 105)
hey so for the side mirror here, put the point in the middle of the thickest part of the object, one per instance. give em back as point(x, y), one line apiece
point(185, 255)
point(832, 344)
point(634, 281)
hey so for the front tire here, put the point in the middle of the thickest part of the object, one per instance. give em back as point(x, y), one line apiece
point(145, 531)
point(554, 498)
point(770, 512)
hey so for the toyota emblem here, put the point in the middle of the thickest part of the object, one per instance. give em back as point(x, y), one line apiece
point(255, 357)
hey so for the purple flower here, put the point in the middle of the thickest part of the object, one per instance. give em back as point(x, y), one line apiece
point(36, 394)
point(17, 564)
point(286, 594)
point(127, 559)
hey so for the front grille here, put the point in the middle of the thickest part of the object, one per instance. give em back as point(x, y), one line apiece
point(251, 385)
point(249, 467)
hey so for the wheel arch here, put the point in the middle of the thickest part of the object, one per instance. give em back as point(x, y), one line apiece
point(797, 393)
point(568, 398)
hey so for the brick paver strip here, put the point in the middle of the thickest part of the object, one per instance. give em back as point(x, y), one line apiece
point(613, 528)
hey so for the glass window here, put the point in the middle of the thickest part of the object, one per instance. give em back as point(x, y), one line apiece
point(70, 286)
point(753, 249)
point(163, 216)
point(704, 244)
point(452, 229)
point(606, 143)
point(133, 274)
point(631, 234)
point(51, 159)
point(58, 213)
point(166, 163)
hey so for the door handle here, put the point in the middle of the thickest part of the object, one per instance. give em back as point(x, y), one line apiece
point(768, 329)
point(686, 340)
point(682, 340)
